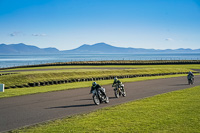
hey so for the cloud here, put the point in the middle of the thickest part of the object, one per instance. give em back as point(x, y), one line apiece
point(14, 34)
point(168, 39)
point(38, 34)
point(21, 34)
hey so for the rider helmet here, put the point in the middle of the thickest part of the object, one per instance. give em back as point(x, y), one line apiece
point(94, 84)
point(115, 79)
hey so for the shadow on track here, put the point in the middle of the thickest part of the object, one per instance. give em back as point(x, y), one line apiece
point(83, 99)
point(179, 85)
point(112, 98)
point(71, 106)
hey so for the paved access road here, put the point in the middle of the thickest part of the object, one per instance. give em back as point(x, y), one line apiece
point(20, 111)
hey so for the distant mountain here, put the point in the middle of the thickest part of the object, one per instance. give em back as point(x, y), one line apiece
point(25, 49)
point(106, 48)
point(98, 48)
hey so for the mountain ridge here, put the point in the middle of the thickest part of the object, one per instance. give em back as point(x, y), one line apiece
point(98, 48)
point(22, 48)
point(106, 48)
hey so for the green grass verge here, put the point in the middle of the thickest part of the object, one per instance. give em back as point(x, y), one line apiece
point(23, 78)
point(28, 77)
point(174, 112)
point(42, 89)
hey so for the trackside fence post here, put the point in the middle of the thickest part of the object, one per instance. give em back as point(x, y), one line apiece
point(1, 87)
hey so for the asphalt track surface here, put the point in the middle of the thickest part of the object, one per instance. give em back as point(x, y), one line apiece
point(16, 112)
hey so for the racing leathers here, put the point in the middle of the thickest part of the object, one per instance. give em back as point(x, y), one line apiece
point(118, 84)
point(190, 76)
point(97, 86)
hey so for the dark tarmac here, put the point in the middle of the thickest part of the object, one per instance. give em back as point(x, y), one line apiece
point(16, 112)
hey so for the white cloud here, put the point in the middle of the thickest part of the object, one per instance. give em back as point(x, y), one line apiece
point(21, 34)
point(14, 34)
point(168, 39)
point(38, 34)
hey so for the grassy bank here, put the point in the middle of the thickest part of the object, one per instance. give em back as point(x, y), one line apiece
point(23, 78)
point(42, 89)
point(174, 112)
point(56, 73)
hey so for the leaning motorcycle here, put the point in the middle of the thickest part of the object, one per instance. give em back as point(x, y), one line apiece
point(190, 80)
point(119, 91)
point(99, 97)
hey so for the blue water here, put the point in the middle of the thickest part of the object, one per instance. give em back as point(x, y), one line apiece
point(20, 60)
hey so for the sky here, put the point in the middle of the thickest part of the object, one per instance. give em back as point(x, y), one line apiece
point(68, 24)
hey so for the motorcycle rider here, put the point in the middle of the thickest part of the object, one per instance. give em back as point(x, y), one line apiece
point(190, 75)
point(97, 86)
point(117, 83)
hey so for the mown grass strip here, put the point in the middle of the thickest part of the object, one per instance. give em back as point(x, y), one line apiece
point(174, 112)
point(25, 78)
point(43, 89)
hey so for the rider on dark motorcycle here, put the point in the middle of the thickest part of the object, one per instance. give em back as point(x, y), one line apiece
point(97, 86)
point(190, 75)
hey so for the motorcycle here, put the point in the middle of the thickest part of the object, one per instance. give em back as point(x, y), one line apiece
point(190, 80)
point(99, 97)
point(119, 91)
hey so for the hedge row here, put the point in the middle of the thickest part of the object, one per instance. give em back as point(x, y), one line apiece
point(34, 84)
point(114, 62)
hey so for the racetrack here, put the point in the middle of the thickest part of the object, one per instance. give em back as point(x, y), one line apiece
point(20, 111)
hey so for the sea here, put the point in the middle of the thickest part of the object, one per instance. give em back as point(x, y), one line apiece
point(21, 60)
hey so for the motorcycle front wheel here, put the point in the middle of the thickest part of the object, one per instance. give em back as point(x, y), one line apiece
point(96, 100)
point(107, 100)
point(124, 94)
point(116, 93)
point(189, 82)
